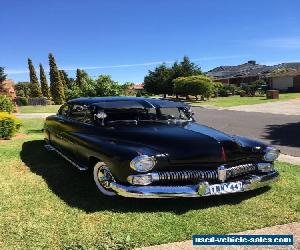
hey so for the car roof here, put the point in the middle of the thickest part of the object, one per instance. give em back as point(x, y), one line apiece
point(128, 102)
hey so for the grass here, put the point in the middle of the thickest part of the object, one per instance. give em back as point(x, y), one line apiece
point(39, 109)
point(237, 100)
point(46, 203)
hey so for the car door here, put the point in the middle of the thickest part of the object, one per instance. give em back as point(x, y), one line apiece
point(80, 122)
point(57, 126)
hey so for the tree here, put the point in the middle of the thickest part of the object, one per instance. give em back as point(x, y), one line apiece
point(158, 81)
point(82, 87)
point(2, 75)
point(2, 78)
point(185, 68)
point(68, 81)
point(56, 86)
point(22, 89)
point(35, 89)
point(194, 85)
point(127, 89)
point(44, 84)
point(105, 86)
point(62, 78)
point(81, 77)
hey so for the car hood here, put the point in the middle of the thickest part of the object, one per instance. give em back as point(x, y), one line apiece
point(188, 142)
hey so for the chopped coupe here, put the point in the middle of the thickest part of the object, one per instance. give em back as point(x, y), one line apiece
point(153, 148)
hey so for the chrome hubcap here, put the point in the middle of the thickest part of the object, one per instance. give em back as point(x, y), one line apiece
point(104, 177)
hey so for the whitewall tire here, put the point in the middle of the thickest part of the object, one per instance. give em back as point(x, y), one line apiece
point(102, 177)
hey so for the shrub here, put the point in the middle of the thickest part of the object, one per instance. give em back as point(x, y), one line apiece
point(223, 92)
point(6, 104)
point(217, 86)
point(9, 125)
point(21, 101)
point(228, 89)
point(243, 93)
point(194, 85)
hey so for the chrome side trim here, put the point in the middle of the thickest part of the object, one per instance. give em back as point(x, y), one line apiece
point(51, 148)
point(250, 182)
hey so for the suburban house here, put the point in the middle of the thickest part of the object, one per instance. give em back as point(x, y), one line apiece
point(286, 81)
point(243, 74)
point(7, 88)
point(136, 88)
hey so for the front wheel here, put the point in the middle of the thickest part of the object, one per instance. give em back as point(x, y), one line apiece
point(102, 177)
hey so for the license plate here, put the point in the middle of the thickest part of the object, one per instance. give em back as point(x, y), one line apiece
point(225, 188)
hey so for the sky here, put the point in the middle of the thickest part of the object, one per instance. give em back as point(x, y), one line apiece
point(126, 38)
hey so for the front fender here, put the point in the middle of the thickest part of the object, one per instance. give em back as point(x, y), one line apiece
point(117, 154)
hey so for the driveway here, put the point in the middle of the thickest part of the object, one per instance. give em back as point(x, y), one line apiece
point(33, 115)
point(278, 129)
point(291, 107)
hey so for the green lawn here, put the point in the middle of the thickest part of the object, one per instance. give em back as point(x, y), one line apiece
point(46, 203)
point(39, 109)
point(237, 100)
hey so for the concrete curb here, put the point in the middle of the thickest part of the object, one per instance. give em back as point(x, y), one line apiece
point(289, 159)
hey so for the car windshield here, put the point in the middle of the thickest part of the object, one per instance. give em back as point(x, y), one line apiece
point(107, 116)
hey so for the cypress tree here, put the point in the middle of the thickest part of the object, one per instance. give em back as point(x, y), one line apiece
point(67, 79)
point(2, 78)
point(2, 75)
point(56, 86)
point(79, 77)
point(62, 78)
point(44, 83)
point(35, 89)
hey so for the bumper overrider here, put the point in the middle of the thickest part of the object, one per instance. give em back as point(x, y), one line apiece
point(261, 174)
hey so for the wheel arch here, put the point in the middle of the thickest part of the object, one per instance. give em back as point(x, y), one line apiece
point(92, 161)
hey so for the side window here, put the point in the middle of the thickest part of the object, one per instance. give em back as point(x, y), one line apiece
point(64, 110)
point(81, 113)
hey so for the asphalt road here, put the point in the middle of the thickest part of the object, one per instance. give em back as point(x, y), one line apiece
point(280, 130)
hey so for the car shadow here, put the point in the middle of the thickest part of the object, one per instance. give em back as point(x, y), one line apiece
point(77, 188)
point(284, 134)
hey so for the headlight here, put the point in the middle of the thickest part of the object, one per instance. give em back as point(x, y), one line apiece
point(140, 179)
point(142, 163)
point(271, 154)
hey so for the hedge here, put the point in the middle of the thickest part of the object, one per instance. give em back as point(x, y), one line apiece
point(9, 125)
point(33, 101)
point(21, 101)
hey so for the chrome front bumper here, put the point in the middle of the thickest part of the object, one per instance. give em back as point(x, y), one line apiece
point(249, 182)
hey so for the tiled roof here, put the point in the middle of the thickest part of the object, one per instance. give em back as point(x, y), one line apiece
point(248, 69)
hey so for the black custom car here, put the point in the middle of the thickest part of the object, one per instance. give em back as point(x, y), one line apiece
point(143, 147)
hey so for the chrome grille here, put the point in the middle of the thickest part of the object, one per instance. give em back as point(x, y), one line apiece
point(188, 175)
point(197, 175)
point(240, 170)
